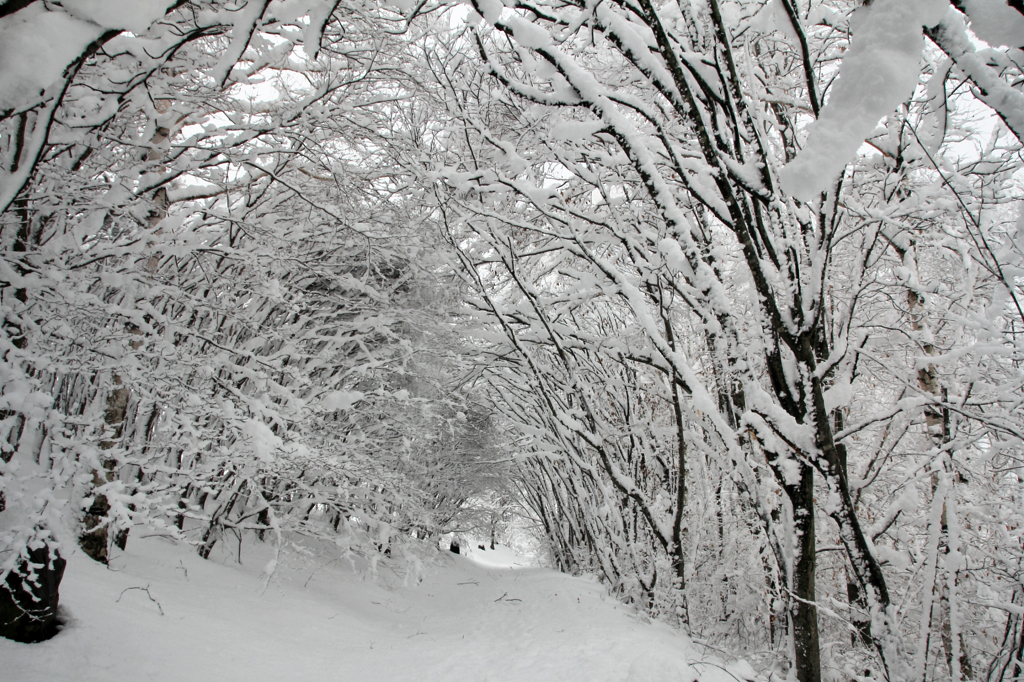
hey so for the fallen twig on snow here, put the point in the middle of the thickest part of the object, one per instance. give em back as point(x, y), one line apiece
point(146, 590)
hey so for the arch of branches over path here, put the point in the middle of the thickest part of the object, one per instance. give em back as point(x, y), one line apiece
point(762, 382)
point(224, 313)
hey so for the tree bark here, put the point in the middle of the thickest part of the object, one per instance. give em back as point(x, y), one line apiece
point(95, 538)
point(803, 609)
point(29, 597)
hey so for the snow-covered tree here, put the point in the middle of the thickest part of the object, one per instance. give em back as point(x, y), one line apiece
point(221, 311)
point(657, 220)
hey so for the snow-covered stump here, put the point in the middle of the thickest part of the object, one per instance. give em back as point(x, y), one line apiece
point(29, 596)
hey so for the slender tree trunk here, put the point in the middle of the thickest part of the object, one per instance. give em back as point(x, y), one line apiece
point(210, 535)
point(803, 608)
point(859, 618)
point(95, 536)
point(678, 522)
point(937, 424)
point(1008, 664)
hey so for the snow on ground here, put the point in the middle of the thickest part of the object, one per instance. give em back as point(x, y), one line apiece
point(465, 622)
point(499, 557)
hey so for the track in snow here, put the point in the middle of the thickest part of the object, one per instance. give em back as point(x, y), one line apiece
point(464, 623)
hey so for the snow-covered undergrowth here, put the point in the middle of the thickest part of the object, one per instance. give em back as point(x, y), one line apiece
point(160, 613)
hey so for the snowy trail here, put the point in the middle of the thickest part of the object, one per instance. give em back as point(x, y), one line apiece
point(465, 622)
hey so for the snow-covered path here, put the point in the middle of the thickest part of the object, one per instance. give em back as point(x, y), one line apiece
point(464, 622)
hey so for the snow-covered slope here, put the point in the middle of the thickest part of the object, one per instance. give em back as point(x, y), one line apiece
point(200, 620)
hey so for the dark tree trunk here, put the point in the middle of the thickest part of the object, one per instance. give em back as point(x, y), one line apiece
point(212, 531)
point(859, 618)
point(804, 612)
point(1008, 664)
point(858, 612)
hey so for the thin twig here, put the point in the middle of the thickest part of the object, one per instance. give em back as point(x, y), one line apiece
point(146, 590)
